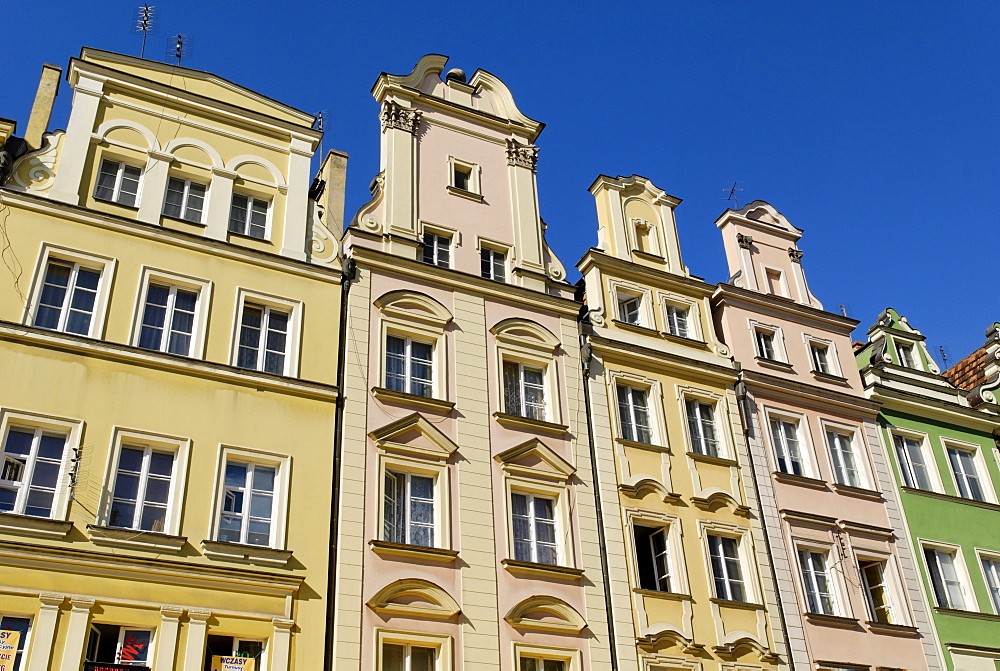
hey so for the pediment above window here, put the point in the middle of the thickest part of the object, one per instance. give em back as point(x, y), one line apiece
point(415, 436)
point(414, 306)
point(535, 459)
point(546, 613)
point(524, 333)
point(413, 597)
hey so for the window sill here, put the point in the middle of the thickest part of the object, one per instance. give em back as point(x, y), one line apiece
point(182, 220)
point(37, 527)
point(403, 398)
point(774, 363)
point(248, 237)
point(516, 422)
point(135, 539)
point(389, 549)
point(533, 570)
point(967, 613)
point(254, 554)
point(953, 499)
point(835, 621)
point(857, 492)
point(688, 341)
point(741, 605)
point(802, 480)
point(709, 459)
point(637, 328)
point(108, 201)
point(642, 446)
point(830, 377)
point(666, 596)
point(902, 630)
point(649, 256)
point(455, 191)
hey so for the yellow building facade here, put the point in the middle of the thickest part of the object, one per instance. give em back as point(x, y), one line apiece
point(690, 581)
point(169, 326)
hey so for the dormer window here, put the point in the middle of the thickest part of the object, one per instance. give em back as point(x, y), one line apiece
point(118, 182)
point(905, 352)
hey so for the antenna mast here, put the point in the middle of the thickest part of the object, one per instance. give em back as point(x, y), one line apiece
point(144, 24)
point(180, 47)
point(732, 191)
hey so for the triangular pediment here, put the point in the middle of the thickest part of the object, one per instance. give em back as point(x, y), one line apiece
point(416, 436)
point(535, 458)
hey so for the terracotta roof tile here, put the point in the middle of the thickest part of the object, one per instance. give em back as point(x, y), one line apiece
point(968, 373)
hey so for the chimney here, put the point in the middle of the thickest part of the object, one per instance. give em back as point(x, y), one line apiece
point(41, 109)
point(334, 172)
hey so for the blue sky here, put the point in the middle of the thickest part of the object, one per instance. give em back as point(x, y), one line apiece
point(871, 125)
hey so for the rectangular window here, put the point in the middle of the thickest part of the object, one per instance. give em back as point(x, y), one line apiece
point(406, 657)
point(845, 471)
point(247, 504)
point(775, 284)
point(785, 436)
point(22, 625)
point(185, 199)
point(633, 410)
point(945, 582)
point(911, 463)
point(263, 339)
point(701, 426)
point(141, 491)
point(534, 529)
point(230, 646)
point(677, 321)
point(820, 358)
point(905, 352)
point(437, 250)
point(991, 569)
point(876, 589)
point(726, 571)
point(963, 465)
point(461, 178)
point(652, 557)
point(630, 309)
point(524, 390)
point(539, 664)
point(29, 472)
point(248, 216)
point(112, 644)
point(168, 319)
point(493, 265)
point(409, 366)
point(118, 182)
point(408, 509)
point(816, 582)
point(765, 344)
point(69, 292)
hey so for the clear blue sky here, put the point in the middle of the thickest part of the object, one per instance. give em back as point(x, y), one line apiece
point(871, 125)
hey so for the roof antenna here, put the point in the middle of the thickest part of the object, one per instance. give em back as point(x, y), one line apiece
point(944, 356)
point(320, 125)
point(732, 191)
point(144, 24)
point(843, 310)
point(180, 46)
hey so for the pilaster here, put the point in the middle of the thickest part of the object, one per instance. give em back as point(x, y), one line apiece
point(293, 244)
point(154, 187)
point(400, 125)
point(745, 242)
point(195, 652)
point(76, 632)
point(166, 638)
point(76, 143)
point(44, 632)
point(220, 196)
point(524, 209)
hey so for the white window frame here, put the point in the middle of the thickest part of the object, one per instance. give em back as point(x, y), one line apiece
point(777, 341)
point(185, 200)
point(522, 385)
point(180, 447)
point(991, 575)
point(293, 337)
point(982, 474)
point(419, 327)
point(802, 438)
point(440, 643)
point(408, 359)
point(858, 454)
point(626, 292)
point(832, 360)
point(279, 510)
point(895, 596)
point(910, 349)
point(497, 247)
point(651, 413)
point(72, 429)
point(961, 573)
point(570, 658)
point(493, 253)
point(531, 351)
point(436, 249)
point(809, 580)
point(251, 199)
point(438, 472)
point(203, 288)
point(926, 453)
point(534, 542)
point(472, 169)
point(739, 535)
point(558, 494)
point(55, 253)
point(116, 191)
point(671, 524)
point(717, 404)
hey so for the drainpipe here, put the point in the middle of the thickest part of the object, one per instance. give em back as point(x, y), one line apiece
point(585, 357)
point(744, 406)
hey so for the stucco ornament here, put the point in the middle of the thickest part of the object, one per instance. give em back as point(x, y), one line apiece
point(556, 271)
point(35, 171)
point(523, 155)
point(596, 316)
point(744, 241)
point(323, 246)
point(795, 255)
point(396, 116)
point(640, 223)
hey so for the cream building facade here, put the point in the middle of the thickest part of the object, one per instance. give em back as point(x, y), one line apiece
point(688, 568)
point(467, 534)
point(169, 355)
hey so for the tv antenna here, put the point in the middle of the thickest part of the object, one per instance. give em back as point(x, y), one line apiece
point(731, 192)
point(180, 47)
point(144, 22)
point(320, 125)
point(944, 356)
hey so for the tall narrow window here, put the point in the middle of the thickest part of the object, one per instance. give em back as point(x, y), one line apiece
point(185, 200)
point(677, 321)
point(784, 435)
point(963, 465)
point(118, 182)
point(248, 216)
point(820, 358)
point(168, 319)
point(408, 509)
point(630, 309)
point(437, 250)
point(247, 504)
point(991, 569)
point(876, 591)
point(29, 471)
point(815, 582)
point(534, 520)
point(765, 344)
point(263, 339)
point(493, 264)
point(633, 409)
point(775, 283)
point(22, 625)
point(69, 292)
point(944, 579)
point(725, 557)
point(405, 657)
point(142, 489)
point(652, 558)
point(524, 390)
point(911, 463)
point(905, 352)
point(842, 455)
point(409, 366)
point(701, 427)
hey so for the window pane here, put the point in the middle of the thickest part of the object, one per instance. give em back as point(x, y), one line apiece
point(51, 447)
point(393, 657)
point(135, 646)
point(175, 197)
point(512, 388)
point(106, 180)
point(238, 213)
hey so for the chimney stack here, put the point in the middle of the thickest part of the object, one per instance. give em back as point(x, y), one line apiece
point(41, 109)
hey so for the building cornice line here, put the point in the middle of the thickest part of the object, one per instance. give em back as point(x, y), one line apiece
point(739, 297)
point(665, 360)
point(810, 394)
point(605, 261)
point(909, 402)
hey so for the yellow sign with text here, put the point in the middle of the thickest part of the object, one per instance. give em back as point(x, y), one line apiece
point(8, 649)
point(220, 663)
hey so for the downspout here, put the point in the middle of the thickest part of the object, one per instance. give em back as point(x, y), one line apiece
point(585, 357)
point(742, 401)
point(347, 277)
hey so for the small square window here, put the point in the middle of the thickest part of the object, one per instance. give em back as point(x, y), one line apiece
point(30, 467)
point(726, 570)
point(248, 215)
point(113, 644)
point(820, 355)
point(677, 321)
point(493, 265)
point(653, 558)
point(630, 309)
point(534, 524)
point(437, 250)
point(462, 177)
point(185, 200)
point(633, 412)
point(118, 182)
point(764, 340)
point(524, 390)
point(816, 582)
point(68, 297)
point(701, 428)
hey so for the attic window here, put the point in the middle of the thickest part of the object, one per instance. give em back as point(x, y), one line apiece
point(462, 178)
point(775, 282)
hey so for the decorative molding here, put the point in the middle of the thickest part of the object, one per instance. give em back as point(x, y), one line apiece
point(254, 554)
point(744, 241)
point(135, 539)
point(522, 155)
point(413, 597)
point(546, 613)
point(395, 115)
point(534, 570)
point(407, 551)
point(795, 255)
point(324, 248)
point(36, 527)
point(639, 222)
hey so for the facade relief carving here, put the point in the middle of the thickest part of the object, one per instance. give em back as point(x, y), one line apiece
point(36, 171)
point(744, 241)
point(394, 115)
point(523, 155)
point(795, 255)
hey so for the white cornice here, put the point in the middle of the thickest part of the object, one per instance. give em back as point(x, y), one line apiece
point(902, 401)
point(728, 295)
point(809, 395)
point(647, 358)
point(651, 277)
